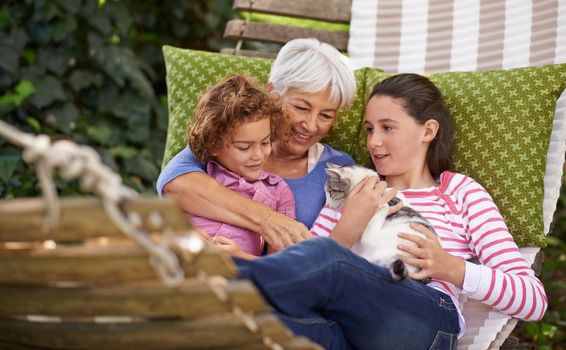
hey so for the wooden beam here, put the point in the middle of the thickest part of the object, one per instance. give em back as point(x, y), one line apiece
point(212, 332)
point(193, 299)
point(338, 11)
point(249, 53)
point(275, 33)
point(81, 218)
point(297, 343)
point(97, 265)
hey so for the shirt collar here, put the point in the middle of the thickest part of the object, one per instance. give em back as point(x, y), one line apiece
point(213, 168)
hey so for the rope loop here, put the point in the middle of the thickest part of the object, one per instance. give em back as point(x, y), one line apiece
point(73, 161)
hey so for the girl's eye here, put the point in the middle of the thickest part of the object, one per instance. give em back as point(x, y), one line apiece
point(369, 129)
point(243, 148)
point(387, 128)
point(268, 142)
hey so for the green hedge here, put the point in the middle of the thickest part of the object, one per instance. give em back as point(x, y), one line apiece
point(92, 71)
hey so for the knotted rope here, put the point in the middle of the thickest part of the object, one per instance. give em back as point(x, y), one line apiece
point(81, 162)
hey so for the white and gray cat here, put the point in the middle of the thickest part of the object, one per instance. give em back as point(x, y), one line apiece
point(379, 241)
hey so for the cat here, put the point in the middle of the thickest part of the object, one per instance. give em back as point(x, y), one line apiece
point(379, 241)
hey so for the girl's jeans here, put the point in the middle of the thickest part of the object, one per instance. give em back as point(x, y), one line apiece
point(325, 292)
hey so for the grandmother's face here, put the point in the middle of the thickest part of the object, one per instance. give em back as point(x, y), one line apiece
point(311, 116)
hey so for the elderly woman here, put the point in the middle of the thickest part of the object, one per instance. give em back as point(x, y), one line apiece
point(314, 81)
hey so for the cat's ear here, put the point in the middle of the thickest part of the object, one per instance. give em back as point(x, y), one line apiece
point(334, 173)
point(333, 170)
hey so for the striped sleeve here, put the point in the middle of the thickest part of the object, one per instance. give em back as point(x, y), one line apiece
point(325, 222)
point(503, 280)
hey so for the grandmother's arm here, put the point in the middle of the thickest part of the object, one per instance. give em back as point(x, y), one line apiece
point(199, 194)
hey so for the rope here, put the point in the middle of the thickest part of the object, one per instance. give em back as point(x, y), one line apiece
point(81, 162)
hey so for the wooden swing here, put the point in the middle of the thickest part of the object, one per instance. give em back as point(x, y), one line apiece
point(118, 271)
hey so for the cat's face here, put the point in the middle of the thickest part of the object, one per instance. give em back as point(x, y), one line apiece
point(341, 180)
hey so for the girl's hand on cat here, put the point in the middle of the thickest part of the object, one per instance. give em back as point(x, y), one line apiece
point(361, 204)
point(431, 258)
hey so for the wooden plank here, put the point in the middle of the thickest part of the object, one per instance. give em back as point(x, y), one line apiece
point(212, 332)
point(96, 265)
point(191, 300)
point(4, 345)
point(275, 33)
point(338, 11)
point(297, 343)
point(249, 53)
point(81, 218)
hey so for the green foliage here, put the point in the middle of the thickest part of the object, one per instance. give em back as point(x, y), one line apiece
point(550, 333)
point(92, 71)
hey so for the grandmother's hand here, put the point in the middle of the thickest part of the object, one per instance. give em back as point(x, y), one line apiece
point(280, 231)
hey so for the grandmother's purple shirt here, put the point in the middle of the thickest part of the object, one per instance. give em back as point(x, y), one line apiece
point(268, 189)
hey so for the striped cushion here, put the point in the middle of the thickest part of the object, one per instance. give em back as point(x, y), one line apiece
point(445, 35)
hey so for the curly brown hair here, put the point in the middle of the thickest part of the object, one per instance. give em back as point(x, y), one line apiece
point(233, 101)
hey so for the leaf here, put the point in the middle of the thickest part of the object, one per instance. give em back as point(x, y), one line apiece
point(30, 56)
point(63, 117)
point(81, 79)
point(35, 124)
point(548, 330)
point(64, 27)
point(47, 91)
point(130, 107)
point(100, 21)
point(124, 151)
point(71, 6)
point(532, 329)
point(23, 90)
point(101, 132)
point(118, 10)
point(121, 65)
point(55, 60)
point(141, 166)
point(11, 47)
point(39, 32)
point(8, 165)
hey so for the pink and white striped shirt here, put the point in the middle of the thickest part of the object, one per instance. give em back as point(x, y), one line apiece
point(469, 225)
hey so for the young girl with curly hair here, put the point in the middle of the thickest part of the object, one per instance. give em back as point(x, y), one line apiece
point(234, 125)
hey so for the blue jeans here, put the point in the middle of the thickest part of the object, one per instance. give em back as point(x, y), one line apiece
point(325, 292)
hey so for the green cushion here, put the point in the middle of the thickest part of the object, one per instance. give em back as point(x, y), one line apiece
point(503, 121)
point(502, 125)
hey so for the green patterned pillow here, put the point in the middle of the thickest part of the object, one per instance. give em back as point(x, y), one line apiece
point(191, 72)
point(502, 126)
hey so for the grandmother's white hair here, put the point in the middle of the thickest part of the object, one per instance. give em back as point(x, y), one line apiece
point(311, 66)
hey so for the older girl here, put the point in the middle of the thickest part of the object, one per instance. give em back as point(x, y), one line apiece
point(339, 300)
